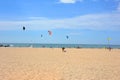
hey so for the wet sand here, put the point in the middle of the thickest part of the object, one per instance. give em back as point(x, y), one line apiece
point(53, 64)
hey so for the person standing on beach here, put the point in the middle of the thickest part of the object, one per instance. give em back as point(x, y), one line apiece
point(109, 48)
point(63, 49)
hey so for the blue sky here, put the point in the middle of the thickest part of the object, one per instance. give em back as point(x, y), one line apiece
point(84, 21)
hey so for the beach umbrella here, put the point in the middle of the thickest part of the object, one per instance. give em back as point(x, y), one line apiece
point(49, 32)
point(23, 27)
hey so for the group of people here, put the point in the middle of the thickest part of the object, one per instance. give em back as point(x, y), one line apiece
point(1, 45)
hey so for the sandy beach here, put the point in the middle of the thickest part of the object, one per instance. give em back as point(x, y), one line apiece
point(53, 64)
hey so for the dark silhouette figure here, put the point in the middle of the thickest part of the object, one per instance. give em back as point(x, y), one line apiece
point(63, 49)
point(23, 28)
point(41, 35)
point(67, 37)
point(109, 48)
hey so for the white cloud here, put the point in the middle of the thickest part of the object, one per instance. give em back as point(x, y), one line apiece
point(69, 1)
point(74, 1)
point(75, 33)
point(116, 0)
point(118, 8)
point(92, 21)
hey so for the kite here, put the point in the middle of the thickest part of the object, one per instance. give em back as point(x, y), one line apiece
point(23, 27)
point(108, 39)
point(67, 37)
point(41, 35)
point(50, 33)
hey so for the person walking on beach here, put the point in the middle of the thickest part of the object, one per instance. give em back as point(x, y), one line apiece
point(63, 49)
point(109, 48)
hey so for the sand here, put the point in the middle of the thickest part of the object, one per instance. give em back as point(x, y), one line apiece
point(53, 64)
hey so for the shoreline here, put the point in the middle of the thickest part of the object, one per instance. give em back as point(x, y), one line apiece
point(57, 48)
point(79, 46)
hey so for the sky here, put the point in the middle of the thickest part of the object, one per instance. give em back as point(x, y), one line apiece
point(84, 21)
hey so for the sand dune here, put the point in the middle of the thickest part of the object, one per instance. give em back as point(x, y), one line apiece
point(53, 64)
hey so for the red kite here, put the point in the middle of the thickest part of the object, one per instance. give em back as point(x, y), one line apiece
point(50, 33)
